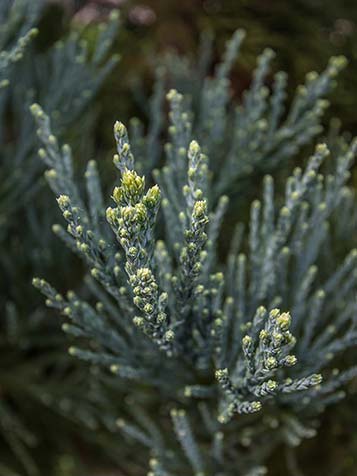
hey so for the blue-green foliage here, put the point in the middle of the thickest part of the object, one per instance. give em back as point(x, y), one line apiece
point(239, 349)
point(260, 128)
point(65, 78)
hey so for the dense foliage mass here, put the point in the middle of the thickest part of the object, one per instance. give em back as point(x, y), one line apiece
point(238, 348)
point(38, 385)
point(213, 315)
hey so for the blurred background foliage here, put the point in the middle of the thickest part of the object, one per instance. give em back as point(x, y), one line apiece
point(304, 34)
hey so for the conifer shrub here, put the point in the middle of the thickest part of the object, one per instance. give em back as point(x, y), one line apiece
point(217, 357)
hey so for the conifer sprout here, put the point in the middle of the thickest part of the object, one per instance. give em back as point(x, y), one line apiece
point(240, 350)
point(14, 55)
point(17, 31)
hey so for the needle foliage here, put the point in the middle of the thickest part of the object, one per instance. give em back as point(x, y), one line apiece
point(224, 355)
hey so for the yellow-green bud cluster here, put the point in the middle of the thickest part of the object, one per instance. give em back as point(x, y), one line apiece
point(131, 190)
